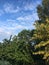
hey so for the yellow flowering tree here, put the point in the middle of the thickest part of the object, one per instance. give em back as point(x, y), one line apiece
point(41, 33)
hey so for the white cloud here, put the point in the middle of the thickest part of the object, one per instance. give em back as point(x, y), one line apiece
point(10, 27)
point(31, 17)
point(1, 30)
point(13, 27)
point(9, 8)
point(28, 20)
point(32, 5)
point(29, 6)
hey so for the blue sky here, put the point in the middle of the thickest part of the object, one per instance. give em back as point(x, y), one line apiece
point(16, 15)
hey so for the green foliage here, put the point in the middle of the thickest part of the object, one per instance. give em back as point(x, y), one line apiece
point(41, 34)
point(17, 51)
point(3, 62)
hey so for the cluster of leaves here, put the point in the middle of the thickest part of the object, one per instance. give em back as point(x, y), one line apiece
point(41, 34)
point(17, 50)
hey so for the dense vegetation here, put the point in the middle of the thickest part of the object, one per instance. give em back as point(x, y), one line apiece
point(29, 47)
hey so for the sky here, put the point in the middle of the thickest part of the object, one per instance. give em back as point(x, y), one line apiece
point(16, 15)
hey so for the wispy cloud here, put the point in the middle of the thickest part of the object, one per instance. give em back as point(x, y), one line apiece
point(29, 6)
point(16, 17)
point(31, 17)
point(9, 8)
point(32, 5)
point(10, 27)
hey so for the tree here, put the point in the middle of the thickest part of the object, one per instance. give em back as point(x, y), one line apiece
point(41, 33)
point(23, 47)
point(18, 51)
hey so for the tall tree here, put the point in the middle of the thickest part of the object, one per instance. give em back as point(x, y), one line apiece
point(41, 34)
